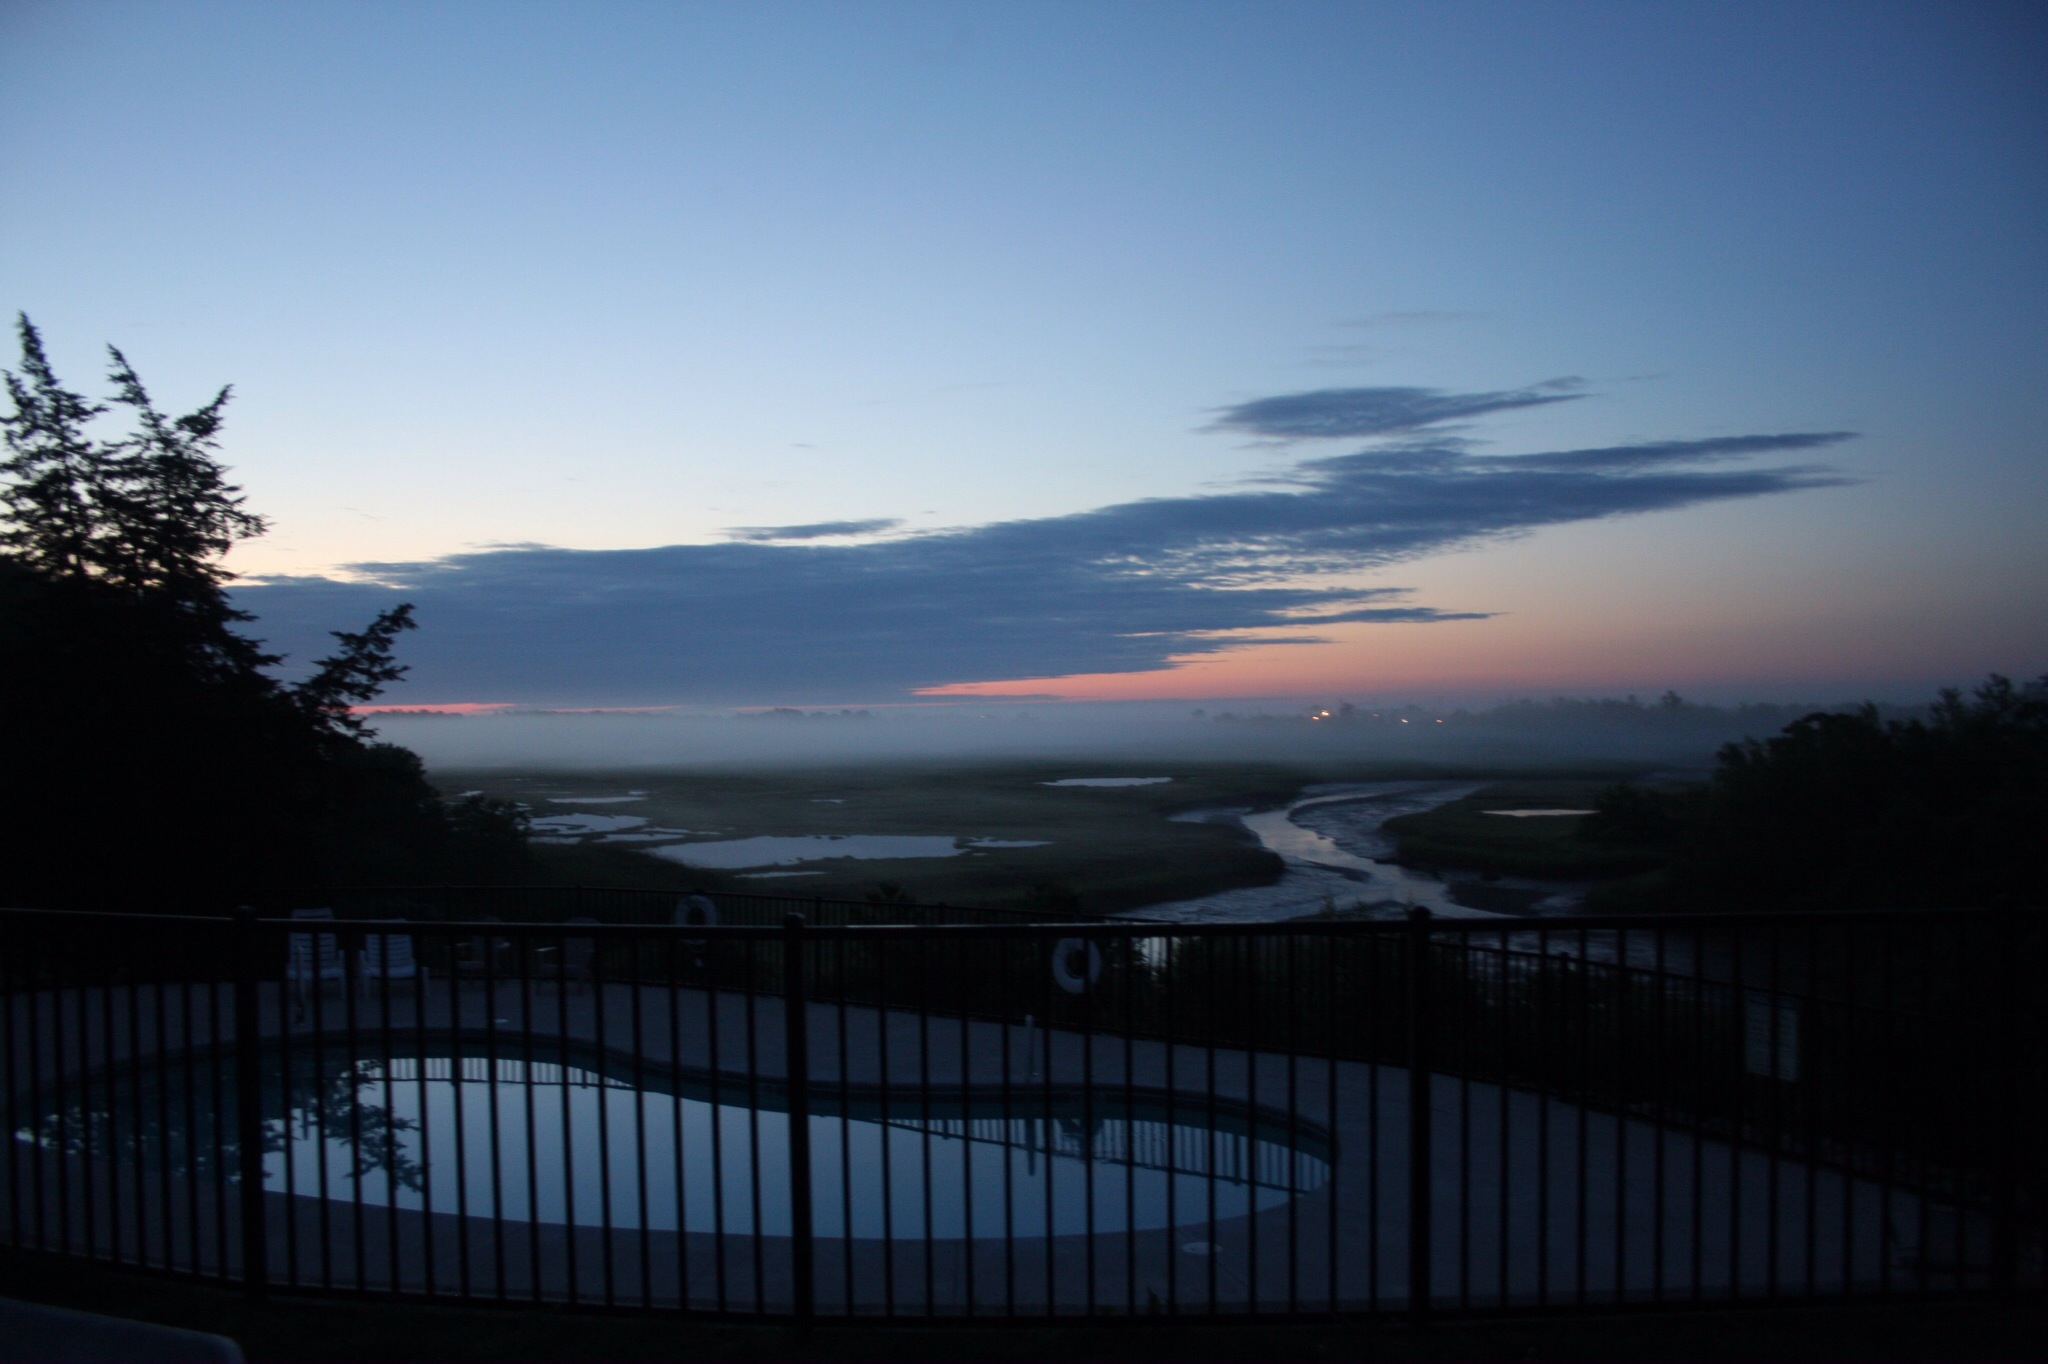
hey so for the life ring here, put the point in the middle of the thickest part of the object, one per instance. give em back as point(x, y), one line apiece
point(695, 911)
point(1076, 964)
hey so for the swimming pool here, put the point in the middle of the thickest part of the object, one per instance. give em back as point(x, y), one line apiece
point(574, 1137)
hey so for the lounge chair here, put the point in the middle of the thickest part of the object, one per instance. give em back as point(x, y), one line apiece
point(312, 959)
point(486, 956)
point(388, 957)
point(579, 955)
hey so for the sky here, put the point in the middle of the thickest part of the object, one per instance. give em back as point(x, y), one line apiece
point(830, 354)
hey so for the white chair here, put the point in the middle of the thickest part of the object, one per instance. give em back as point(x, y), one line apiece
point(579, 955)
point(313, 959)
point(483, 956)
point(388, 957)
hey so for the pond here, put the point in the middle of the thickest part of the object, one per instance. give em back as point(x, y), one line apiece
point(578, 1142)
point(770, 850)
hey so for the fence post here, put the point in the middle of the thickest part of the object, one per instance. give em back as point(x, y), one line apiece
point(249, 1105)
point(796, 1047)
point(1420, 1175)
point(2005, 1190)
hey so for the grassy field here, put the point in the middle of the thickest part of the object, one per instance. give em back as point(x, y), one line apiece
point(1464, 834)
point(1108, 848)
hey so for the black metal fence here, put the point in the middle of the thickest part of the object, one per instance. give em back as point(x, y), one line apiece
point(793, 1111)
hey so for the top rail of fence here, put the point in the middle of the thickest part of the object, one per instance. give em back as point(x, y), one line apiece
point(1023, 924)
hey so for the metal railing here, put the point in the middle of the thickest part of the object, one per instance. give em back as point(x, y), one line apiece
point(1005, 1118)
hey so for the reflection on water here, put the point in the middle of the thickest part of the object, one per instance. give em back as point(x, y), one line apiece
point(183, 1121)
point(1339, 862)
point(1360, 880)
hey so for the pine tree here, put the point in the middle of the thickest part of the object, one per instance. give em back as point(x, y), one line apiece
point(131, 700)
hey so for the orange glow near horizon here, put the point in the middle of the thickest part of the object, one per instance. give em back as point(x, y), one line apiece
point(440, 708)
point(1570, 653)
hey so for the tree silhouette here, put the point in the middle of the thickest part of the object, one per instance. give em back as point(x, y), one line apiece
point(1847, 810)
point(150, 751)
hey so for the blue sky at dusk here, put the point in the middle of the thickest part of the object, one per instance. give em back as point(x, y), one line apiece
point(850, 353)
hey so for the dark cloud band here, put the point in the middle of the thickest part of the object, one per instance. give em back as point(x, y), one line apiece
point(816, 530)
point(1118, 589)
point(1349, 413)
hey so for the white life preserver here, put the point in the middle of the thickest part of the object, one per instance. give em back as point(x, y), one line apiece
point(1076, 964)
point(695, 911)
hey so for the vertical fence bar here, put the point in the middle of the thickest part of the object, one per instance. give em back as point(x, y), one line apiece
point(567, 1109)
point(326, 1218)
point(287, 1063)
point(752, 1040)
point(960, 972)
point(10, 998)
point(1170, 1032)
point(1467, 978)
point(845, 1125)
point(1619, 1039)
point(110, 1063)
point(59, 1058)
point(1332, 1030)
point(924, 1121)
point(1505, 1072)
point(1579, 1001)
point(220, 1178)
point(37, 1182)
point(797, 1060)
point(1005, 953)
point(1419, 1135)
point(671, 947)
point(1088, 1130)
point(600, 1086)
point(248, 1110)
point(191, 1121)
point(352, 1051)
point(2005, 1184)
point(113, 1123)
point(527, 955)
point(489, 960)
point(425, 1129)
point(637, 948)
point(716, 1065)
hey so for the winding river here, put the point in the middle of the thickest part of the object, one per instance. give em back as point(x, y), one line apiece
point(1339, 858)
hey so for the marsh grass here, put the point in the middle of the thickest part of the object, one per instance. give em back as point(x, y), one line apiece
point(1110, 848)
point(1462, 834)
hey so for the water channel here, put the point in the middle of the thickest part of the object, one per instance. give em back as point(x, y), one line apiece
point(1340, 862)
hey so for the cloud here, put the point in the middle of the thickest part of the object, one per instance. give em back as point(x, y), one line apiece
point(1445, 454)
point(1337, 413)
point(816, 530)
point(773, 617)
point(1410, 318)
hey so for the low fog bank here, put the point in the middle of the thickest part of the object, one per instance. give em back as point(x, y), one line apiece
point(1512, 735)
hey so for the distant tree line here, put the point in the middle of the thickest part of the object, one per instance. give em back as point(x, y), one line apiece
point(1855, 811)
point(152, 758)
point(1668, 713)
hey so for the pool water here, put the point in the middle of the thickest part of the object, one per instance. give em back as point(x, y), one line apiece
point(581, 1144)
